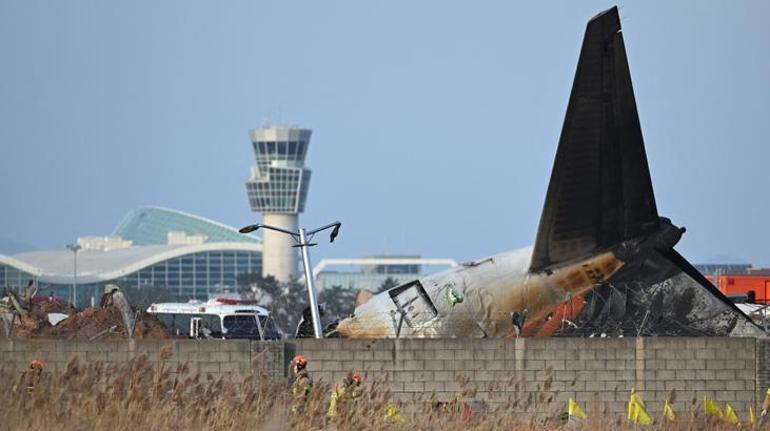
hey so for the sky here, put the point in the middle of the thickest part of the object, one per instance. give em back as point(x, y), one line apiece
point(435, 123)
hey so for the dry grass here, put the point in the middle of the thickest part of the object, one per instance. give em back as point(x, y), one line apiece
point(145, 395)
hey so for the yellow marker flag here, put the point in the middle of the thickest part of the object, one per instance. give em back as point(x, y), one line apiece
point(730, 415)
point(391, 413)
point(712, 408)
point(631, 404)
point(637, 413)
point(574, 410)
point(752, 416)
point(668, 412)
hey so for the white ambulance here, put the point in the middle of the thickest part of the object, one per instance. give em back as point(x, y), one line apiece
point(218, 318)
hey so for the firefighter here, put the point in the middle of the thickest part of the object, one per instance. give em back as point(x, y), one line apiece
point(344, 392)
point(29, 379)
point(35, 371)
point(302, 385)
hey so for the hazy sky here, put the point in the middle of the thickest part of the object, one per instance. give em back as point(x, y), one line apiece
point(434, 123)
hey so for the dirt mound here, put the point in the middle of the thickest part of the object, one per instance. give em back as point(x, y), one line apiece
point(95, 323)
point(52, 304)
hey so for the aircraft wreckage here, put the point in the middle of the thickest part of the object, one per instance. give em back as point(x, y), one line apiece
point(603, 262)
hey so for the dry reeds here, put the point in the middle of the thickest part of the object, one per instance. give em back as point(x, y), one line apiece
point(153, 395)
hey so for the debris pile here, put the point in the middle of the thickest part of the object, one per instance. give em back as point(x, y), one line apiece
point(96, 324)
point(29, 316)
point(52, 304)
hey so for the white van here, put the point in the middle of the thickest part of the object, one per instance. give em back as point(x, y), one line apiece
point(221, 318)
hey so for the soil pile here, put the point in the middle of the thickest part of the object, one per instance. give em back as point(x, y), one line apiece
point(97, 324)
point(52, 304)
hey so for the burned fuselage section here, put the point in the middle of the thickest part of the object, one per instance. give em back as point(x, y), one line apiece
point(651, 296)
point(491, 292)
point(650, 293)
point(476, 300)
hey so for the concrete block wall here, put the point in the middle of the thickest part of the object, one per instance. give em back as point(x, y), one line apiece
point(596, 372)
point(720, 368)
point(231, 359)
point(762, 368)
point(599, 373)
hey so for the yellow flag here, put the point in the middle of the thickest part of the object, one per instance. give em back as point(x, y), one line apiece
point(668, 412)
point(575, 410)
point(730, 415)
point(631, 400)
point(636, 410)
point(391, 413)
point(752, 416)
point(712, 408)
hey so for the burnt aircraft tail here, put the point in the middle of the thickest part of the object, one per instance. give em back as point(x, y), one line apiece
point(603, 263)
point(600, 198)
point(600, 192)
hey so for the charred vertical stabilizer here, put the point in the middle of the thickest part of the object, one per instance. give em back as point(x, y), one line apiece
point(600, 192)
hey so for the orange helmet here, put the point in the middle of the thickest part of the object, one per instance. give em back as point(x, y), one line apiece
point(356, 377)
point(299, 360)
point(36, 364)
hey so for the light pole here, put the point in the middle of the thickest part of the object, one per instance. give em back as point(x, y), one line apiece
point(302, 237)
point(75, 248)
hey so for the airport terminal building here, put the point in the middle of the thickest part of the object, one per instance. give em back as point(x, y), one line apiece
point(190, 256)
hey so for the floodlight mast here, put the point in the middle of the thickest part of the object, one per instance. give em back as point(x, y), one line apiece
point(75, 248)
point(303, 237)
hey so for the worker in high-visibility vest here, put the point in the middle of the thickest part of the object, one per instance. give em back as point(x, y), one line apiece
point(344, 392)
point(302, 385)
point(29, 379)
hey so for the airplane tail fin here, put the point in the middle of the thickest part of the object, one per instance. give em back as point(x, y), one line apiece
point(600, 191)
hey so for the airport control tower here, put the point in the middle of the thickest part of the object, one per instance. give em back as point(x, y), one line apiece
point(277, 188)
